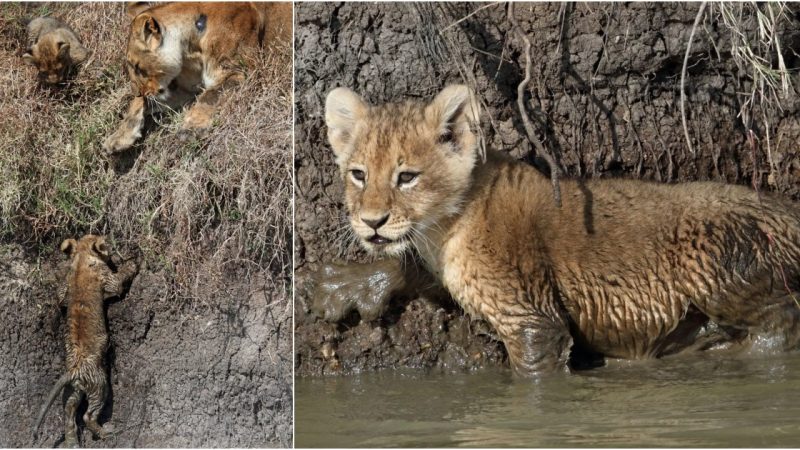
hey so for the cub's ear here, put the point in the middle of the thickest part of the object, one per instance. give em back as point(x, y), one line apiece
point(133, 9)
point(68, 246)
point(80, 54)
point(63, 49)
point(454, 112)
point(343, 110)
point(101, 247)
point(28, 57)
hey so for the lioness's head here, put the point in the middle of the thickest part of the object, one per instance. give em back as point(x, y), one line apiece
point(51, 57)
point(90, 245)
point(405, 166)
point(150, 67)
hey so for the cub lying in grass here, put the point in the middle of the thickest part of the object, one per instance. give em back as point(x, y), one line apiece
point(54, 49)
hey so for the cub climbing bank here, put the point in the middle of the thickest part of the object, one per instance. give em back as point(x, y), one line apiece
point(629, 269)
point(54, 49)
point(90, 281)
point(179, 51)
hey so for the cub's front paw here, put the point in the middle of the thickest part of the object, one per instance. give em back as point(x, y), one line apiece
point(338, 289)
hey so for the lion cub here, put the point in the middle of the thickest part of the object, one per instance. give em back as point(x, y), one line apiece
point(181, 51)
point(54, 49)
point(627, 269)
point(90, 281)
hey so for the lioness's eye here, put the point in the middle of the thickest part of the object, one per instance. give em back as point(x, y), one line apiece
point(406, 177)
point(357, 174)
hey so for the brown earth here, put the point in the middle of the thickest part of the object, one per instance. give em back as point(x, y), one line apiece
point(604, 98)
point(200, 351)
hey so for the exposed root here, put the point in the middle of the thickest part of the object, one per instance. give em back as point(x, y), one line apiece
point(540, 149)
point(697, 20)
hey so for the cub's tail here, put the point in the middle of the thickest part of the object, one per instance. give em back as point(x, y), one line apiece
point(53, 393)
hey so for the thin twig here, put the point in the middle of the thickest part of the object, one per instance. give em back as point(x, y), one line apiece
point(521, 88)
point(697, 20)
point(469, 15)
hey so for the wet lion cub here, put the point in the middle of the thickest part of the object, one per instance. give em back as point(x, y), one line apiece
point(89, 283)
point(54, 49)
point(625, 268)
point(179, 51)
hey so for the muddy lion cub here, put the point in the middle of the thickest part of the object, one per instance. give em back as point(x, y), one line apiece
point(54, 49)
point(179, 51)
point(90, 281)
point(627, 269)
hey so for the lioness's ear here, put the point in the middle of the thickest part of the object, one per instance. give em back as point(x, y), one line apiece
point(133, 9)
point(68, 246)
point(454, 112)
point(101, 247)
point(343, 109)
point(151, 31)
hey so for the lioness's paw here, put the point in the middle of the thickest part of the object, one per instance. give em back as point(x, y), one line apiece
point(118, 142)
point(198, 118)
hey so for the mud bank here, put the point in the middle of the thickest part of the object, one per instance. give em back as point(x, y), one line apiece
point(604, 99)
point(217, 375)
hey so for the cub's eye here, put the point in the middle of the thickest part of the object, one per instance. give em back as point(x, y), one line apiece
point(357, 175)
point(446, 137)
point(406, 177)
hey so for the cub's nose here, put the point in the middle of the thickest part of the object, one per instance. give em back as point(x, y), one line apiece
point(375, 223)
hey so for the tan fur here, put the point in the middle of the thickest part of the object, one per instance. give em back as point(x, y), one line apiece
point(54, 49)
point(89, 283)
point(626, 268)
point(179, 51)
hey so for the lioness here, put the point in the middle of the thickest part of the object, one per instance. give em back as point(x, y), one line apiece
point(54, 49)
point(629, 269)
point(179, 50)
point(89, 283)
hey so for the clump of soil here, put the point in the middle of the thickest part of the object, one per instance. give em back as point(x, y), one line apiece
point(604, 99)
point(201, 343)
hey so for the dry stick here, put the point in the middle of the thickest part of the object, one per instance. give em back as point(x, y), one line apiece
point(683, 75)
point(469, 15)
point(540, 150)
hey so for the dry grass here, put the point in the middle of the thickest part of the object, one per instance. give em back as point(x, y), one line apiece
point(199, 210)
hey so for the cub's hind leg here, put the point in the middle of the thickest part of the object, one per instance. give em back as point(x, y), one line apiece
point(761, 309)
point(96, 395)
point(70, 412)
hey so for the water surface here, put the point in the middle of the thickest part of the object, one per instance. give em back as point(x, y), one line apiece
point(702, 401)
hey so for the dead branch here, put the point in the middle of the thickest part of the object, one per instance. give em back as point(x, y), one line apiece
point(697, 20)
point(541, 151)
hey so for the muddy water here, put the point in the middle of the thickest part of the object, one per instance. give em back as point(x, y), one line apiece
point(699, 401)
